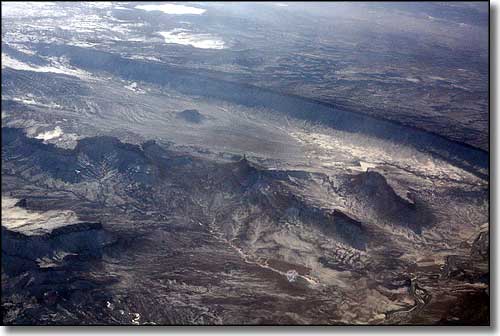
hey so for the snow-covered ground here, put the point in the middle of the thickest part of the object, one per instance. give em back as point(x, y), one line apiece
point(173, 9)
point(55, 133)
point(31, 222)
point(185, 37)
point(22, 9)
point(54, 67)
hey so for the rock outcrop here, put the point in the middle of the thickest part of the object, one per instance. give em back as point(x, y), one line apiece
point(191, 116)
point(31, 239)
point(379, 198)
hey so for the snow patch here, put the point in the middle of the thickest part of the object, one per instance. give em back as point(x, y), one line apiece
point(99, 4)
point(133, 87)
point(31, 101)
point(366, 165)
point(55, 133)
point(136, 319)
point(55, 67)
point(413, 80)
point(172, 9)
point(184, 37)
point(21, 9)
point(34, 223)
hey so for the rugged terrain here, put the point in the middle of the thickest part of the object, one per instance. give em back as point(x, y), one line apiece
point(164, 165)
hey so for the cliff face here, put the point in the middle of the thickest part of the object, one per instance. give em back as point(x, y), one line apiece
point(173, 214)
point(35, 239)
point(481, 247)
point(378, 197)
point(81, 238)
